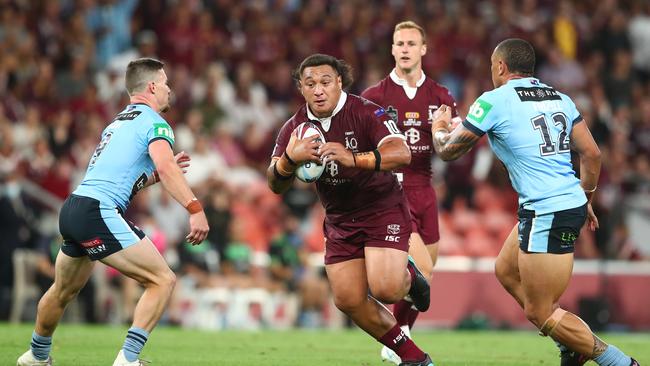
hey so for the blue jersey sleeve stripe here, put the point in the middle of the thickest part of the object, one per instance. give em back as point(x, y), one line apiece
point(171, 144)
point(578, 120)
point(477, 131)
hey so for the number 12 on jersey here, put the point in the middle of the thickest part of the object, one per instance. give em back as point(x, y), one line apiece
point(548, 147)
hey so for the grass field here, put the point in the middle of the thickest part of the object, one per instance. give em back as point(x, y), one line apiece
point(97, 345)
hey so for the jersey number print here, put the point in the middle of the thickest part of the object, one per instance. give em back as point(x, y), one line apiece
point(100, 147)
point(548, 147)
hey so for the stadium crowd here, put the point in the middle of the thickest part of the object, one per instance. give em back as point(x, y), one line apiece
point(229, 63)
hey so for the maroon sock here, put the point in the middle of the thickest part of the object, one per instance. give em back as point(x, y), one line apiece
point(412, 315)
point(396, 340)
point(402, 312)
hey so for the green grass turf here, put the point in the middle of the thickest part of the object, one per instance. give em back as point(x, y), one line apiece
point(97, 345)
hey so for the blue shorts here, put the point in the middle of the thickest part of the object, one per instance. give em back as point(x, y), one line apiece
point(554, 232)
point(90, 227)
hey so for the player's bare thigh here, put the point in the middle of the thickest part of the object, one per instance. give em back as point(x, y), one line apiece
point(142, 262)
point(71, 273)
point(507, 262)
point(544, 278)
point(506, 267)
point(386, 271)
point(349, 283)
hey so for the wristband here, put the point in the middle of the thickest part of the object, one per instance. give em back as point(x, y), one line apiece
point(284, 166)
point(365, 160)
point(293, 163)
point(377, 160)
point(279, 176)
point(156, 176)
point(193, 206)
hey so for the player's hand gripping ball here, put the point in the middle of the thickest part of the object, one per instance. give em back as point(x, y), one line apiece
point(309, 171)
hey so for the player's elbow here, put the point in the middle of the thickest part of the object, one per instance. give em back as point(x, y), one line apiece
point(166, 169)
point(595, 154)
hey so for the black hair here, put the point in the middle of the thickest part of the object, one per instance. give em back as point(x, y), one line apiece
point(341, 67)
point(140, 72)
point(518, 55)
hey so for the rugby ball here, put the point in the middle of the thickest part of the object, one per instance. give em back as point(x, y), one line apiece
point(309, 171)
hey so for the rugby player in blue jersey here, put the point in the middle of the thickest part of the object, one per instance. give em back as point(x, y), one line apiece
point(532, 129)
point(135, 151)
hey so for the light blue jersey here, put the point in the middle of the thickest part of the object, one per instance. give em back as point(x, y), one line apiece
point(121, 163)
point(528, 125)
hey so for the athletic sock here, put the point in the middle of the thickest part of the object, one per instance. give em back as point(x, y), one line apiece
point(404, 313)
point(399, 342)
point(135, 340)
point(41, 346)
point(401, 311)
point(613, 357)
point(413, 315)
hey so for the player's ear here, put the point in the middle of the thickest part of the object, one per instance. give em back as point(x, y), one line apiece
point(151, 86)
point(423, 50)
point(339, 80)
point(502, 67)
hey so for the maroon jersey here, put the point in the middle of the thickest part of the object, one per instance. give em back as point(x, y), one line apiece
point(413, 115)
point(359, 125)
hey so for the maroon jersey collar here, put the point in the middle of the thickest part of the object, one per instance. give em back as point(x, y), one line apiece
point(326, 121)
point(396, 79)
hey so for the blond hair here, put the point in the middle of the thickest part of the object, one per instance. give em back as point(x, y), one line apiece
point(409, 24)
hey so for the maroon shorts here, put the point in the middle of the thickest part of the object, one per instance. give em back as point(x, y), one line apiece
point(423, 205)
point(386, 229)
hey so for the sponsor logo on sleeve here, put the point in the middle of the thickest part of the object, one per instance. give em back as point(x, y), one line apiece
point(479, 110)
point(163, 130)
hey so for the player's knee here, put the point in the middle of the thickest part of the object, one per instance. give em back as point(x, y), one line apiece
point(165, 279)
point(387, 292)
point(168, 279)
point(536, 314)
point(348, 304)
point(64, 294)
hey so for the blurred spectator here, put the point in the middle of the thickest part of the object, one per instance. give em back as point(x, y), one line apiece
point(110, 22)
point(639, 30)
point(564, 74)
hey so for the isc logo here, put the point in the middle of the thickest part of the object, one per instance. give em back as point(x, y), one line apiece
point(393, 238)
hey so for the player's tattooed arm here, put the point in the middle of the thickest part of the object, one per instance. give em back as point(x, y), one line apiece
point(450, 145)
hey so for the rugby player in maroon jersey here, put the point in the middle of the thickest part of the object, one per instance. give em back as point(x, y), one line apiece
point(367, 222)
point(410, 98)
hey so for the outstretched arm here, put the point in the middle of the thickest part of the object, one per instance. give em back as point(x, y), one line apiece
point(172, 179)
point(454, 144)
point(182, 160)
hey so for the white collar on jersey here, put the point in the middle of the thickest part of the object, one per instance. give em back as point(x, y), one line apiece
point(325, 122)
point(410, 91)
